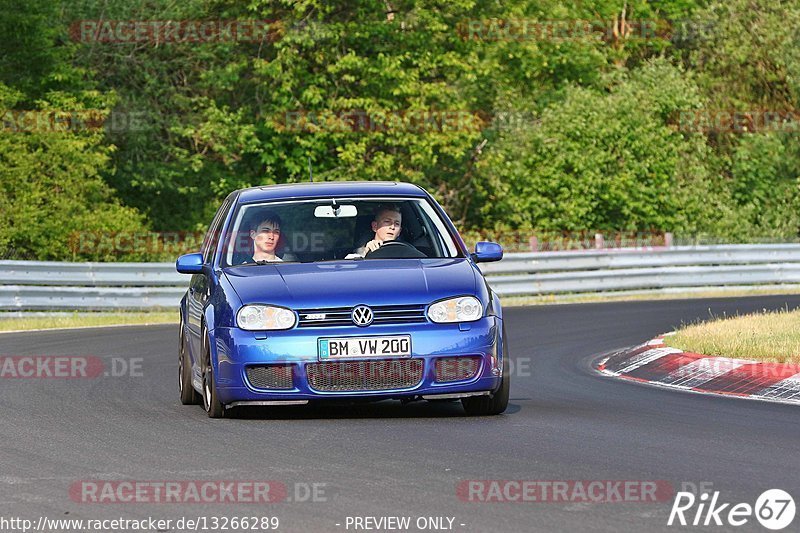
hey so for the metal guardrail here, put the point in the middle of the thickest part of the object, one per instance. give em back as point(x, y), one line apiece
point(738, 265)
point(32, 285)
point(90, 274)
point(45, 285)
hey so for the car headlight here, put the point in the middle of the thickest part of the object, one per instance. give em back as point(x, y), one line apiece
point(261, 317)
point(461, 309)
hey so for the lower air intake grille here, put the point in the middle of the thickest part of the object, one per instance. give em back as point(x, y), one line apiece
point(456, 368)
point(270, 376)
point(343, 376)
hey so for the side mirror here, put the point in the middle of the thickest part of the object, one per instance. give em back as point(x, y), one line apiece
point(486, 252)
point(190, 263)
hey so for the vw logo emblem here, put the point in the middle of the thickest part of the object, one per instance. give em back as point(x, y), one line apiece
point(361, 315)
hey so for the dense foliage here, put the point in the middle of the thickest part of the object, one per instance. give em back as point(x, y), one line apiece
point(514, 114)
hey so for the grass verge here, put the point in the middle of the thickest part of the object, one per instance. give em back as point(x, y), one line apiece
point(768, 336)
point(14, 322)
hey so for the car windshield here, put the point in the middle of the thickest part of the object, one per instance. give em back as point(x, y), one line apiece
point(336, 229)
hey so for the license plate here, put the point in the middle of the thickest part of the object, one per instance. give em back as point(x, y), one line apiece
point(345, 347)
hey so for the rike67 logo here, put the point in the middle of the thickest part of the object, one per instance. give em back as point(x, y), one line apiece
point(774, 509)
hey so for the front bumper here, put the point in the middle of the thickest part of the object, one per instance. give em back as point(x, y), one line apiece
point(234, 350)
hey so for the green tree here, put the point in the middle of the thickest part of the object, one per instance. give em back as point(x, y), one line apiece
point(611, 160)
point(746, 54)
point(52, 196)
point(52, 150)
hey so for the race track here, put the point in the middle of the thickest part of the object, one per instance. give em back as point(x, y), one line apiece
point(565, 422)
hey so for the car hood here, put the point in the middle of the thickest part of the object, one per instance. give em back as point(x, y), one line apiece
point(339, 284)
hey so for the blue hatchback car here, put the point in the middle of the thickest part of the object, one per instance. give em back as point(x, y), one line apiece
point(339, 291)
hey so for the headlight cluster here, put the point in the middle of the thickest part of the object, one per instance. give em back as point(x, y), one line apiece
point(270, 317)
point(461, 309)
point(264, 317)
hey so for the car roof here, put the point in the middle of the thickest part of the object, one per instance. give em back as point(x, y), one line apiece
point(326, 189)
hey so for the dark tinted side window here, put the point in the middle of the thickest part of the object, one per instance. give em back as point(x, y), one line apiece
point(212, 236)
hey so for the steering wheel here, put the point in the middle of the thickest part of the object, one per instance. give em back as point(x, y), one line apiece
point(402, 250)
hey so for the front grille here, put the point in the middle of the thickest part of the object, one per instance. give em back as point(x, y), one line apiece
point(343, 376)
point(270, 376)
point(340, 316)
point(456, 368)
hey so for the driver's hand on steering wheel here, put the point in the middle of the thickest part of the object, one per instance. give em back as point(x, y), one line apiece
point(373, 245)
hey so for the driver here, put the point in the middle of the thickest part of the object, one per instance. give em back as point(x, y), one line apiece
point(386, 225)
point(266, 236)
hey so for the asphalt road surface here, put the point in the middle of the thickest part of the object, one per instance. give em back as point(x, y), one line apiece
point(565, 422)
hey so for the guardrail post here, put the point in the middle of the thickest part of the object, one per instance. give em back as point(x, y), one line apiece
point(533, 242)
point(598, 241)
point(668, 239)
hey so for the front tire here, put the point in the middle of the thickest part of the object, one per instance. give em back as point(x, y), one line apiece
point(211, 403)
point(495, 404)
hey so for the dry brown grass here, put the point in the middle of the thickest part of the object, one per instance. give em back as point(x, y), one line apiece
point(766, 336)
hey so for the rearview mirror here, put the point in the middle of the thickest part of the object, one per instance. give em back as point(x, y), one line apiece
point(340, 211)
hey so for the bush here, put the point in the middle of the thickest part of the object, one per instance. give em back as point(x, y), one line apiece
point(51, 189)
point(610, 160)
